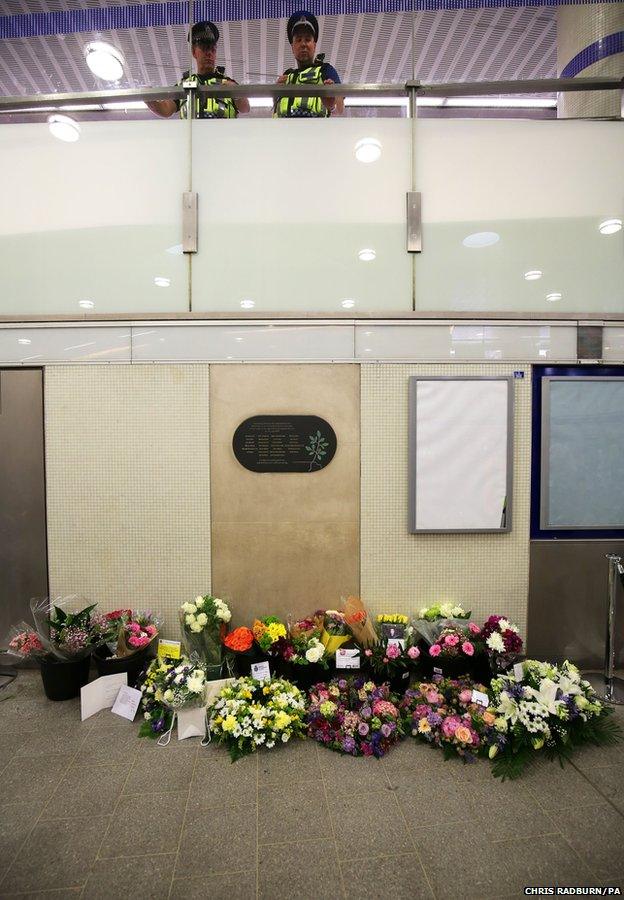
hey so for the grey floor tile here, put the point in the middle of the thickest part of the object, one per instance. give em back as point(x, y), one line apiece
point(437, 802)
point(9, 745)
point(86, 791)
point(556, 788)
point(143, 878)
point(67, 740)
point(390, 876)
point(217, 780)
point(298, 813)
point(32, 779)
point(16, 821)
point(412, 761)
point(609, 781)
point(163, 769)
point(232, 886)
point(139, 825)
point(297, 761)
point(356, 837)
point(108, 745)
point(299, 870)
point(344, 774)
point(43, 895)
point(56, 855)
point(215, 842)
point(597, 835)
point(587, 757)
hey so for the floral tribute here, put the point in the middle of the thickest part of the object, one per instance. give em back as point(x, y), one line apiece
point(551, 710)
point(354, 716)
point(303, 645)
point(443, 611)
point(157, 714)
point(267, 632)
point(26, 644)
point(503, 643)
point(248, 714)
point(203, 624)
point(443, 713)
point(240, 640)
point(335, 631)
point(125, 631)
point(453, 642)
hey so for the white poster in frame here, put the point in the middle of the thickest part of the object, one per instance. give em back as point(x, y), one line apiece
point(460, 453)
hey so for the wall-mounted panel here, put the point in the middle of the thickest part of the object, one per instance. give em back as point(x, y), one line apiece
point(37, 346)
point(241, 341)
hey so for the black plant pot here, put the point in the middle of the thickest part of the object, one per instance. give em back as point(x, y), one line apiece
point(305, 676)
point(134, 664)
point(476, 668)
point(62, 679)
point(242, 661)
point(400, 682)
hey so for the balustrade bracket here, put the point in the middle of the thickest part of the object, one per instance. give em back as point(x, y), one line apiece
point(189, 222)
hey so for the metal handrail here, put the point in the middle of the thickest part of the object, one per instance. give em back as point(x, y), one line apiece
point(456, 89)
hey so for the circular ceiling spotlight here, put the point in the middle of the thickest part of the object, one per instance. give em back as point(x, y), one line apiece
point(554, 296)
point(533, 275)
point(24, 341)
point(367, 254)
point(481, 239)
point(64, 128)
point(347, 304)
point(610, 226)
point(104, 60)
point(247, 304)
point(368, 150)
point(161, 281)
point(86, 304)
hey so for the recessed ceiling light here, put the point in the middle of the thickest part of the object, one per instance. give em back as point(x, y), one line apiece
point(367, 254)
point(367, 350)
point(161, 281)
point(367, 333)
point(610, 226)
point(104, 60)
point(64, 128)
point(347, 304)
point(86, 304)
point(554, 296)
point(24, 341)
point(481, 239)
point(238, 339)
point(248, 304)
point(533, 274)
point(368, 150)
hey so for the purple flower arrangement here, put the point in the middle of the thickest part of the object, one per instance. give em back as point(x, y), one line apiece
point(443, 713)
point(354, 716)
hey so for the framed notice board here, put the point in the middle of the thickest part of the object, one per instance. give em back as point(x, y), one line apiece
point(460, 453)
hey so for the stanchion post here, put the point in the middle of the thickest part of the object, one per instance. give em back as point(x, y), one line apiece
point(608, 687)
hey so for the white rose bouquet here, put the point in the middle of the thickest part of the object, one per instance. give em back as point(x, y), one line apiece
point(204, 625)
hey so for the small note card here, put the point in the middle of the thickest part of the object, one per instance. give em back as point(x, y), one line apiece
point(518, 671)
point(127, 703)
point(169, 649)
point(480, 698)
point(348, 658)
point(261, 671)
point(100, 694)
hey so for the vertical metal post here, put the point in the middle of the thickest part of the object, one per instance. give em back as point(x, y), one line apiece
point(607, 686)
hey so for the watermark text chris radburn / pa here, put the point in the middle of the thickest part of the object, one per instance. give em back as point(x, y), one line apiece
point(573, 891)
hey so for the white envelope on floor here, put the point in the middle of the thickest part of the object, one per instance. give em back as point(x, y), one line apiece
point(192, 723)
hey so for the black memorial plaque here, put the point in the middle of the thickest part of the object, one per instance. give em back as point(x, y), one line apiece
point(284, 443)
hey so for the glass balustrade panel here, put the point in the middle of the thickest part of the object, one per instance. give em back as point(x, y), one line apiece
point(302, 215)
point(521, 216)
point(95, 225)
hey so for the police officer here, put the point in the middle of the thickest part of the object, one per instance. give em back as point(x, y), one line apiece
point(204, 37)
point(303, 31)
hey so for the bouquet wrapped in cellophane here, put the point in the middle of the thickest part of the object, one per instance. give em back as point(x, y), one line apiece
point(203, 623)
point(63, 634)
point(359, 621)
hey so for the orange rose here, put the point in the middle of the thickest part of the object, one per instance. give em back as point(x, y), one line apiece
point(462, 734)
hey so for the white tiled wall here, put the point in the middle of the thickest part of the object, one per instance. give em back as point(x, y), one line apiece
point(487, 573)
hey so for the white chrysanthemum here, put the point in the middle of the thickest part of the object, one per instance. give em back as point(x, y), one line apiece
point(195, 684)
point(422, 612)
point(495, 642)
point(446, 609)
point(458, 611)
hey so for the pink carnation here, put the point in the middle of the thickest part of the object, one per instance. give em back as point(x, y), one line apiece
point(468, 648)
point(465, 696)
point(151, 630)
point(474, 629)
point(393, 651)
point(433, 697)
point(413, 652)
point(368, 652)
point(435, 650)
